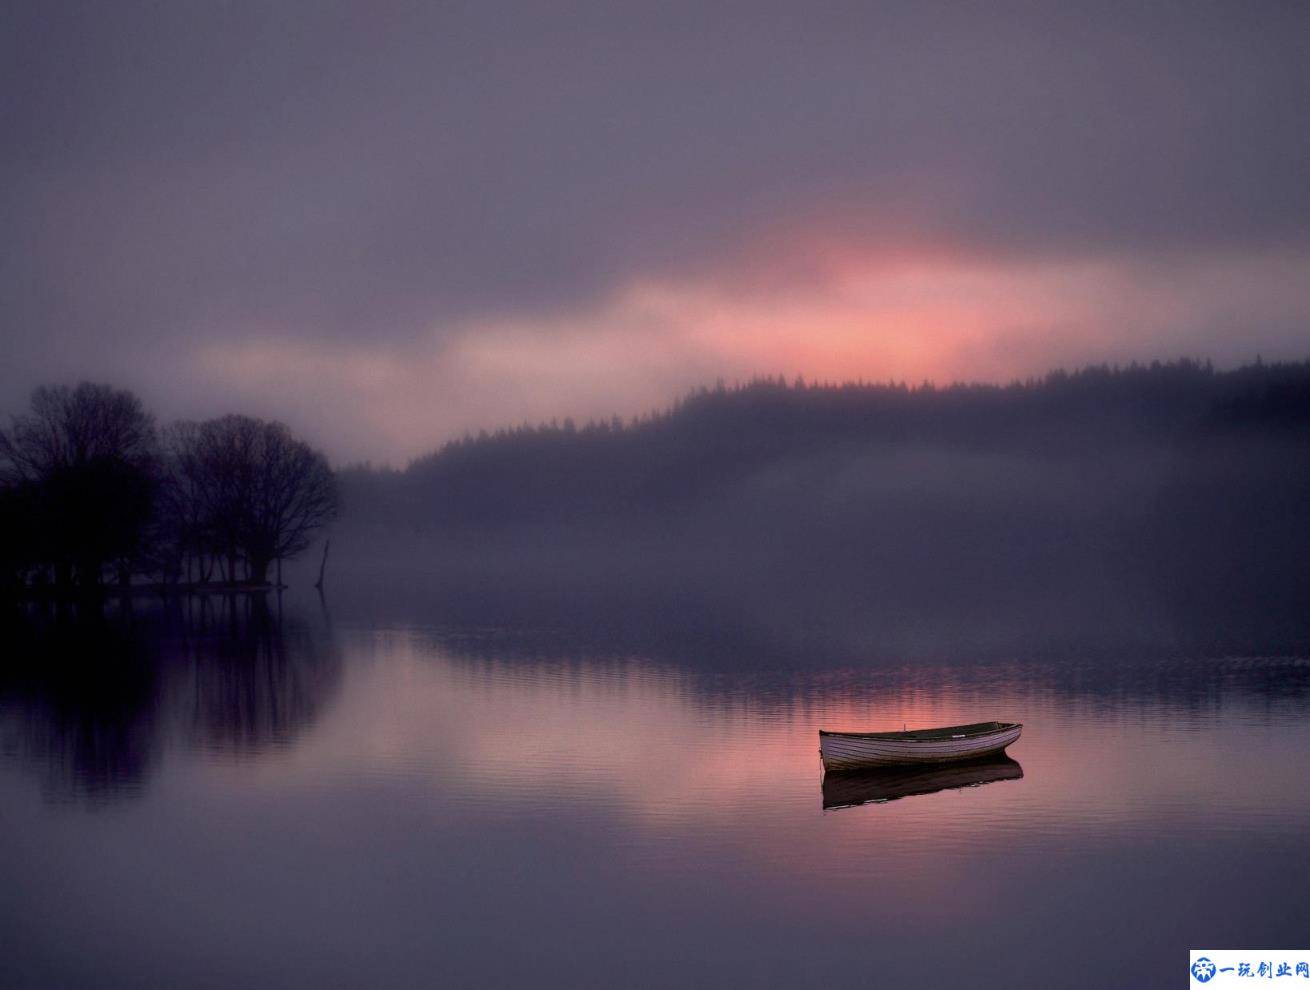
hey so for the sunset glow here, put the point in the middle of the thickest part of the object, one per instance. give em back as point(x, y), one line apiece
point(936, 317)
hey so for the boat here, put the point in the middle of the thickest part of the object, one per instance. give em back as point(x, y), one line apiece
point(950, 744)
point(852, 788)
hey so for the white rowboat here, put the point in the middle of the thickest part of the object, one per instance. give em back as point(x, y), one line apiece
point(952, 744)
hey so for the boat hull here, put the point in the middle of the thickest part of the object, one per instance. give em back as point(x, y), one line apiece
point(853, 750)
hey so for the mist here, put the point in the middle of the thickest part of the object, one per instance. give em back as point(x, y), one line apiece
point(1152, 508)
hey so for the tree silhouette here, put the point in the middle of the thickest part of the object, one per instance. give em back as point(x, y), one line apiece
point(85, 484)
point(71, 427)
point(82, 469)
point(247, 490)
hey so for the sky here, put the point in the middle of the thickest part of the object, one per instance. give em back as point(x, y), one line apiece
point(389, 223)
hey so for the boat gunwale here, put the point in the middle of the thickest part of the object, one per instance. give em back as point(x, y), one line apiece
point(974, 730)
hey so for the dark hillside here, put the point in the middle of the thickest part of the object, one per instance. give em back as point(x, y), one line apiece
point(715, 438)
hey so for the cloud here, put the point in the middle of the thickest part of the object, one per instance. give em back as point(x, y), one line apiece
point(937, 317)
point(386, 180)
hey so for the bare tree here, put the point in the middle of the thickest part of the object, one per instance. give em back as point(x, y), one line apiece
point(68, 428)
point(185, 543)
point(88, 457)
point(259, 493)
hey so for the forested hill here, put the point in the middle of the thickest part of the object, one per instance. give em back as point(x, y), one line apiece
point(718, 438)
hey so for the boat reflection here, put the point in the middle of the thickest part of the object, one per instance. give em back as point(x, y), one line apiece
point(852, 788)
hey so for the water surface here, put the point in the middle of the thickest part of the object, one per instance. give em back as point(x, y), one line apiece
point(226, 797)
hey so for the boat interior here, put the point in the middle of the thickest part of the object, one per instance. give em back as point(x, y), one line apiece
point(946, 732)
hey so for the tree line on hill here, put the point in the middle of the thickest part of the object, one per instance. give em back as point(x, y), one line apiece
point(93, 492)
point(715, 437)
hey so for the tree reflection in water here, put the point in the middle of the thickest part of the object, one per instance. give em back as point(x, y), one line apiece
point(90, 698)
point(254, 680)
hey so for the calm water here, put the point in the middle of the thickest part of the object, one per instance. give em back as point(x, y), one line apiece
point(213, 800)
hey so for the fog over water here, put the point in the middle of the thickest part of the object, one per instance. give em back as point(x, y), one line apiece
point(1158, 507)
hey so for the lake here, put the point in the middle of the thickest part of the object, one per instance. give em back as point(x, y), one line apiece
point(314, 796)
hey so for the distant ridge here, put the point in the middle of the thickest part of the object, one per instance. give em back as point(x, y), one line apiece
point(721, 434)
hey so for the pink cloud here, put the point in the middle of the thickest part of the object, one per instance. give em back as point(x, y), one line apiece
point(850, 312)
